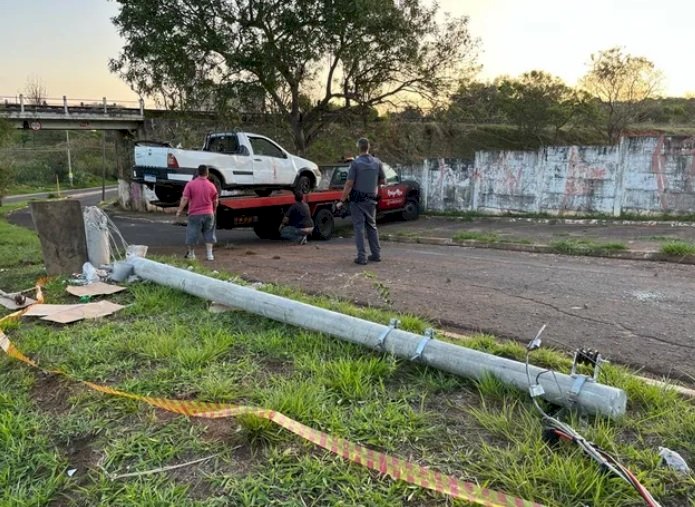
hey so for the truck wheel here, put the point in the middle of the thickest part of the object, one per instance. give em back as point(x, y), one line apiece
point(303, 184)
point(215, 180)
point(411, 210)
point(323, 224)
point(167, 193)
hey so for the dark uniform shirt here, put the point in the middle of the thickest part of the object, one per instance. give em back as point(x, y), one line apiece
point(366, 171)
point(299, 216)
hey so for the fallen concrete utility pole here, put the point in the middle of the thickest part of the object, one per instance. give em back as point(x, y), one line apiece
point(560, 389)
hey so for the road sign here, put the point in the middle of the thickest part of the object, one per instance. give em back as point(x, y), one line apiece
point(35, 125)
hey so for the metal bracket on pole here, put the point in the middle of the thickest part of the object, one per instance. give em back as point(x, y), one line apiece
point(579, 381)
point(393, 324)
point(429, 334)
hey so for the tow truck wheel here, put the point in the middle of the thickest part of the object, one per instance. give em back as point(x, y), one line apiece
point(411, 210)
point(167, 193)
point(323, 224)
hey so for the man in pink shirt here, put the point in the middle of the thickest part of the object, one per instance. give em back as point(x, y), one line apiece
point(201, 197)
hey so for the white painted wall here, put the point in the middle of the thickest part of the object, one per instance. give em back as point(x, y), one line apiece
point(646, 175)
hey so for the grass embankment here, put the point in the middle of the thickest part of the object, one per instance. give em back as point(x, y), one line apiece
point(167, 344)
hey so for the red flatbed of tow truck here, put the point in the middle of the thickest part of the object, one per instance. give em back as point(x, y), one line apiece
point(265, 214)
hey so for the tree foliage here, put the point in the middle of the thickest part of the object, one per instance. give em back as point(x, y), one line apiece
point(621, 84)
point(538, 100)
point(477, 102)
point(341, 55)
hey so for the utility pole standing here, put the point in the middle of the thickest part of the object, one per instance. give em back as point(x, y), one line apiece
point(67, 138)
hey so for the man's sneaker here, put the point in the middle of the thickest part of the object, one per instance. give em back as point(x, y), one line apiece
point(210, 257)
point(362, 262)
point(374, 258)
point(302, 241)
point(190, 256)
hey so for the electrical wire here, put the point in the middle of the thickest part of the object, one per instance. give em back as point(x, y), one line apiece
point(564, 431)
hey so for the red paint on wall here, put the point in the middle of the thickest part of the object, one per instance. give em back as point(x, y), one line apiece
point(658, 170)
point(580, 177)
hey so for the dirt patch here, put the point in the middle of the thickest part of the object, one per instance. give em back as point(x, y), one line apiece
point(52, 394)
point(81, 456)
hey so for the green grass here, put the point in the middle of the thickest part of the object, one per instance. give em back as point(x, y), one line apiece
point(18, 246)
point(485, 237)
point(166, 343)
point(488, 237)
point(585, 247)
point(678, 248)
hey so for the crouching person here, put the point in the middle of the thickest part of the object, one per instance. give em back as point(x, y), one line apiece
point(297, 223)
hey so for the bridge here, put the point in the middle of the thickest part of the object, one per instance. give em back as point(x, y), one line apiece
point(72, 114)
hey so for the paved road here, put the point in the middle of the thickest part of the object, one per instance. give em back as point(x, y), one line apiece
point(634, 312)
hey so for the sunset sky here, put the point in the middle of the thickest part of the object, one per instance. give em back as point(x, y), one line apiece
point(67, 44)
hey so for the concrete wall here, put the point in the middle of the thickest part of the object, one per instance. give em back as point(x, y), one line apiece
point(646, 175)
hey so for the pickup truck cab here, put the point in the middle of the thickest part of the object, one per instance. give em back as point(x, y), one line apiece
point(237, 160)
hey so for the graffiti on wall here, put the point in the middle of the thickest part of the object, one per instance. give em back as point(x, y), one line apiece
point(583, 182)
point(640, 175)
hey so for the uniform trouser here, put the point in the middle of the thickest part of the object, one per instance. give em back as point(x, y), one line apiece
point(364, 217)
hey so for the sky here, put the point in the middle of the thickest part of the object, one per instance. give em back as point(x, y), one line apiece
point(67, 44)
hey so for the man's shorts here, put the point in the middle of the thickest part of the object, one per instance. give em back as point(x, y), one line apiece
point(198, 224)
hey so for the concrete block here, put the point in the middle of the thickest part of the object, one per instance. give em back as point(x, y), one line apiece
point(61, 231)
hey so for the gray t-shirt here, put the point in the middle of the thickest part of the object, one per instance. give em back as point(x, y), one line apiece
point(365, 172)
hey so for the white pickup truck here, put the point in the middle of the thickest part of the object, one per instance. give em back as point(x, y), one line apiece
point(237, 160)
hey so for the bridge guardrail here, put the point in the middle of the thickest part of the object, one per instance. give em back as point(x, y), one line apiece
point(23, 104)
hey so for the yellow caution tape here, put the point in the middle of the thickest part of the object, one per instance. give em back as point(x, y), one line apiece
point(383, 463)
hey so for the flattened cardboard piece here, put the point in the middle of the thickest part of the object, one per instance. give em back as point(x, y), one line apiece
point(94, 289)
point(42, 310)
point(87, 311)
point(10, 304)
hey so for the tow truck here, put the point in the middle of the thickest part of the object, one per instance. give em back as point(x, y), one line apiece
point(264, 214)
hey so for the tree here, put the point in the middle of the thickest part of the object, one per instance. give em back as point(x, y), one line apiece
point(537, 100)
point(35, 91)
point(343, 54)
point(621, 83)
point(476, 102)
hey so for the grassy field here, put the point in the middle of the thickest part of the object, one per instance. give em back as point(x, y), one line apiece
point(168, 344)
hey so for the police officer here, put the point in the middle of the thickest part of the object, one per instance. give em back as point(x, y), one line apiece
point(361, 188)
